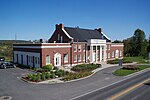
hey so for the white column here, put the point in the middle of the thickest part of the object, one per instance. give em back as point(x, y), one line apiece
point(96, 54)
point(105, 53)
point(100, 53)
point(91, 53)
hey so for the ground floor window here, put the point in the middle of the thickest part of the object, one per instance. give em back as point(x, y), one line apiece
point(47, 59)
point(113, 54)
point(79, 57)
point(65, 58)
point(75, 58)
point(38, 60)
point(120, 53)
point(83, 57)
point(108, 55)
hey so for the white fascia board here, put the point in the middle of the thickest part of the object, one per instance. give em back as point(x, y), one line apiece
point(119, 45)
point(38, 47)
point(105, 35)
point(66, 33)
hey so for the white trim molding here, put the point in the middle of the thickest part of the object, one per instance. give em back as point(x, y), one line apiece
point(39, 47)
point(66, 33)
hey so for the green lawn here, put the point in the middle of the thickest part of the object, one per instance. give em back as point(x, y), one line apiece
point(124, 72)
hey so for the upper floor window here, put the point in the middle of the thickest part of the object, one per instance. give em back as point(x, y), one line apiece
point(61, 39)
point(108, 47)
point(79, 48)
point(75, 47)
point(83, 47)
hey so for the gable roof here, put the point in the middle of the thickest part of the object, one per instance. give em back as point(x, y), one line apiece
point(82, 35)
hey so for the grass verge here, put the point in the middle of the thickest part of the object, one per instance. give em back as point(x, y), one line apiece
point(124, 72)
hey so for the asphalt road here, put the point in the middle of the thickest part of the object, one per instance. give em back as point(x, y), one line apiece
point(120, 90)
point(11, 85)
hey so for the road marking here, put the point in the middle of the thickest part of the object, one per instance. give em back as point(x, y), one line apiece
point(107, 85)
point(129, 89)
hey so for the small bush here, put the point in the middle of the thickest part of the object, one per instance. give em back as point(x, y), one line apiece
point(85, 67)
point(55, 68)
point(29, 76)
point(47, 67)
point(34, 78)
point(43, 76)
point(72, 76)
point(47, 75)
point(38, 77)
point(131, 67)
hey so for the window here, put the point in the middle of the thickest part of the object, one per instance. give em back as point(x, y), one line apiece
point(79, 57)
point(47, 59)
point(75, 58)
point(38, 60)
point(120, 53)
point(29, 59)
point(83, 47)
point(79, 48)
point(35, 60)
point(58, 36)
point(108, 55)
point(83, 57)
point(113, 54)
point(75, 48)
point(61, 39)
point(65, 58)
point(102, 48)
point(108, 47)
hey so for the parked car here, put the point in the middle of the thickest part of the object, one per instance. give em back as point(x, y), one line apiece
point(4, 65)
point(2, 58)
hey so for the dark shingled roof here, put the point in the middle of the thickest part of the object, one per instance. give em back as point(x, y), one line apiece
point(82, 35)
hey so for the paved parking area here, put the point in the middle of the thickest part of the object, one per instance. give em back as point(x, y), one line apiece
point(11, 85)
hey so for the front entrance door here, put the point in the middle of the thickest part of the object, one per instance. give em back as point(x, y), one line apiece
point(57, 59)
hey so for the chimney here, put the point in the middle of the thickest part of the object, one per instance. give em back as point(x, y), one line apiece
point(59, 26)
point(100, 30)
point(41, 40)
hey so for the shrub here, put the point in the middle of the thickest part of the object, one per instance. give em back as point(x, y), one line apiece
point(47, 67)
point(72, 76)
point(60, 73)
point(52, 75)
point(131, 67)
point(116, 61)
point(38, 76)
point(55, 68)
point(85, 67)
point(43, 76)
point(34, 78)
point(47, 75)
point(29, 76)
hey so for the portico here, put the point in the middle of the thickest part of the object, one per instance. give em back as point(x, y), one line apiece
point(97, 50)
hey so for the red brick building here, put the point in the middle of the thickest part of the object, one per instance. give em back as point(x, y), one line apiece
point(68, 47)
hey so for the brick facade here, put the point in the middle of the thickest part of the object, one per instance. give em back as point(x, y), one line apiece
point(65, 49)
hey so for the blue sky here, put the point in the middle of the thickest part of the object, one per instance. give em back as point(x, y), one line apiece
point(35, 19)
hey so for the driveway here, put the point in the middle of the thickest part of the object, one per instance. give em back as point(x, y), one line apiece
point(12, 86)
